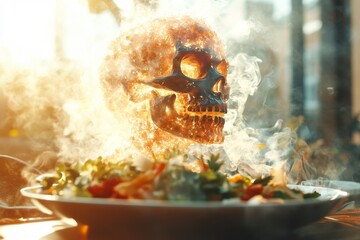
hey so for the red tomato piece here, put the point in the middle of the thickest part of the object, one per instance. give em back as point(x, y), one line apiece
point(252, 191)
point(159, 168)
point(104, 189)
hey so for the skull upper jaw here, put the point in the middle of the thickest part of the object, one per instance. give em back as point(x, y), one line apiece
point(199, 123)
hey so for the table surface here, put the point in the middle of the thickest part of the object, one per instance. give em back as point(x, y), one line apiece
point(344, 225)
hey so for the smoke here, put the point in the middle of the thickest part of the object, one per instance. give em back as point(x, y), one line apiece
point(59, 106)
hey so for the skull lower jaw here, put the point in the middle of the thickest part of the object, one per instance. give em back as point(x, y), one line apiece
point(199, 127)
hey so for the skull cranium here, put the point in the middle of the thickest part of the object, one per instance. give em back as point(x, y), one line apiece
point(173, 73)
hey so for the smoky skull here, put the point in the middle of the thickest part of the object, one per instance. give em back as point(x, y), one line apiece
point(198, 80)
point(177, 67)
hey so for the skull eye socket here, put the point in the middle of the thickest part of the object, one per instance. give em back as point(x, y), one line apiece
point(194, 66)
point(222, 68)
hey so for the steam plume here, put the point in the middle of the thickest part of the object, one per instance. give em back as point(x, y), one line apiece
point(59, 105)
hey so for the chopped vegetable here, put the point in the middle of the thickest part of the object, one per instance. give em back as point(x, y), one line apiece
point(165, 180)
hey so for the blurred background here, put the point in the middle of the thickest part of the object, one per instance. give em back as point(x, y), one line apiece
point(309, 52)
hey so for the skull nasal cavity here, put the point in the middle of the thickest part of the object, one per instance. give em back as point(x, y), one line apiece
point(219, 86)
point(192, 66)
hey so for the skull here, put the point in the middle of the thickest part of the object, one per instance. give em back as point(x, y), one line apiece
point(173, 73)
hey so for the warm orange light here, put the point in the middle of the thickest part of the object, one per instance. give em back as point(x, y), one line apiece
point(222, 68)
point(191, 67)
point(13, 133)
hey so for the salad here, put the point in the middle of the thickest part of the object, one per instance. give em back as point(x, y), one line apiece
point(171, 177)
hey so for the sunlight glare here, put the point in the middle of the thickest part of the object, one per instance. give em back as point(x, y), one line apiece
point(27, 29)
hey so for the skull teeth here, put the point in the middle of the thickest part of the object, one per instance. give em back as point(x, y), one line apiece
point(212, 110)
point(202, 123)
point(216, 121)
